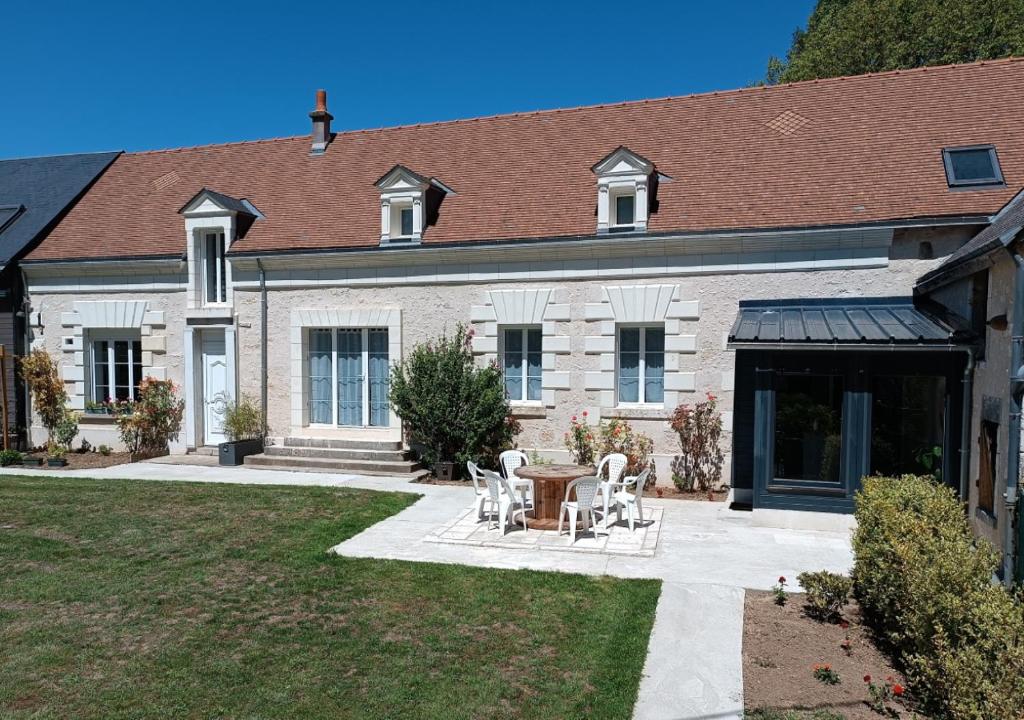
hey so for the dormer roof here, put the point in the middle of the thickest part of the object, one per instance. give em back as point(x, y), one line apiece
point(623, 161)
point(208, 201)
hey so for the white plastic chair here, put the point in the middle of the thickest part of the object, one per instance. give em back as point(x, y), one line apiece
point(586, 490)
point(616, 465)
point(504, 499)
point(483, 497)
point(632, 501)
point(510, 460)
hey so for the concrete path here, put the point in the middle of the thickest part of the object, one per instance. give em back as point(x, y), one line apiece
point(707, 555)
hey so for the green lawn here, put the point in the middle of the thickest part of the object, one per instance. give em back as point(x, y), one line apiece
point(131, 599)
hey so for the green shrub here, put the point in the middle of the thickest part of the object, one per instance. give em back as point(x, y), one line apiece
point(9, 457)
point(925, 584)
point(66, 429)
point(104, 450)
point(827, 593)
point(452, 410)
point(244, 420)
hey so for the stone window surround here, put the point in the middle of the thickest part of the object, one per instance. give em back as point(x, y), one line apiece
point(109, 315)
point(516, 308)
point(196, 229)
point(622, 172)
point(639, 304)
point(304, 319)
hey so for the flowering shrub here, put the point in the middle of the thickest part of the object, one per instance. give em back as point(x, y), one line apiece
point(699, 463)
point(452, 410)
point(781, 596)
point(617, 436)
point(579, 441)
point(153, 420)
point(882, 694)
point(826, 674)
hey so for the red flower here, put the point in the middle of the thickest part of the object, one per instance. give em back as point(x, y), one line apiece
point(574, 418)
point(584, 413)
point(867, 678)
point(897, 690)
point(844, 625)
point(782, 578)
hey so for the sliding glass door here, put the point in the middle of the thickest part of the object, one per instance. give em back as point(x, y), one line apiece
point(349, 377)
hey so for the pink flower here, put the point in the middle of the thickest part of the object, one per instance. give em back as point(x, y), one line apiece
point(584, 413)
point(574, 418)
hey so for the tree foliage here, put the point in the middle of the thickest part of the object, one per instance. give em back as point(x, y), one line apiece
point(853, 37)
point(452, 410)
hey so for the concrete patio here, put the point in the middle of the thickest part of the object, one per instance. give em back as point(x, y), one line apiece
point(705, 556)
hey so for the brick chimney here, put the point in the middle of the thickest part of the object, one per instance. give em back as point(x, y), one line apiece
point(321, 124)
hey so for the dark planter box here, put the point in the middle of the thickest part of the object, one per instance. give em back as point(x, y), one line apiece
point(56, 462)
point(31, 462)
point(233, 453)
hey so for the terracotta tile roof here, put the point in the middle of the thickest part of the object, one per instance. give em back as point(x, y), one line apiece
point(838, 151)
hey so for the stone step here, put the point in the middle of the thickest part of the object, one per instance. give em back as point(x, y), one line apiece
point(349, 467)
point(205, 450)
point(336, 444)
point(338, 453)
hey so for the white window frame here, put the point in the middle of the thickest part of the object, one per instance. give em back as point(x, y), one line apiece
point(110, 337)
point(613, 210)
point(524, 329)
point(641, 365)
point(220, 270)
point(364, 368)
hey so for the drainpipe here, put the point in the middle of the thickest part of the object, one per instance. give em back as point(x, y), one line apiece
point(965, 429)
point(263, 339)
point(1010, 560)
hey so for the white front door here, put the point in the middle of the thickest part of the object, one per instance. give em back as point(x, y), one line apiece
point(216, 394)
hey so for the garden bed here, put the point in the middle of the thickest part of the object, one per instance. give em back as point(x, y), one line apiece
point(671, 492)
point(85, 461)
point(782, 646)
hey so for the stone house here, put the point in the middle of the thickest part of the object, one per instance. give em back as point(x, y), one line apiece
point(760, 244)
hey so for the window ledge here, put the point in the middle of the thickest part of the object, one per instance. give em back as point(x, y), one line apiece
point(638, 412)
point(96, 419)
point(528, 410)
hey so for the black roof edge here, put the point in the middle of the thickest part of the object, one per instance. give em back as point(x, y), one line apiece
point(828, 301)
point(968, 264)
point(105, 259)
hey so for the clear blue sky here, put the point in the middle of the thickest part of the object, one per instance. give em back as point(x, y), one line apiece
point(86, 76)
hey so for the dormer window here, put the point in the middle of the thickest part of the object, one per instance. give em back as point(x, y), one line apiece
point(972, 166)
point(212, 222)
point(624, 184)
point(408, 203)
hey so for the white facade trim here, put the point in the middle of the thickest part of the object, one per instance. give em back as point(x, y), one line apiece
point(401, 189)
point(622, 172)
point(518, 308)
point(98, 315)
point(302, 319)
point(632, 305)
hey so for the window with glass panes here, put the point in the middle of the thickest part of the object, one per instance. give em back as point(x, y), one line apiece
point(215, 281)
point(641, 364)
point(116, 368)
point(521, 363)
point(349, 377)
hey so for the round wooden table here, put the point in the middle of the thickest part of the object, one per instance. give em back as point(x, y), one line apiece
point(549, 483)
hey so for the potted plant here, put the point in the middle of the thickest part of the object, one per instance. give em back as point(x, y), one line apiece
point(31, 461)
point(245, 428)
point(56, 456)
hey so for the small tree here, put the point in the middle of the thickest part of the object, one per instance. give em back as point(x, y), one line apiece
point(153, 420)
point(39, 372)
point(699, 464)
point(452, 409)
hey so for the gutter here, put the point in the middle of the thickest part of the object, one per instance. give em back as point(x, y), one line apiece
point(1011, 557)
point(965, 427)
point(887, 347)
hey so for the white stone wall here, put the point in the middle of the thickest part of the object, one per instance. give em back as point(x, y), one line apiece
point(698, 315)
point(61, 323)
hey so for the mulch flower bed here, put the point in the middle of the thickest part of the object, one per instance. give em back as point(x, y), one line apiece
point(671, 492)
point(790, 661)
point(85, 461)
